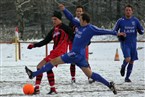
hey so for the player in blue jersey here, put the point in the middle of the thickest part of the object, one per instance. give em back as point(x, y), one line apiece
point(77, 55)
point(130, 25)
point(78, 11)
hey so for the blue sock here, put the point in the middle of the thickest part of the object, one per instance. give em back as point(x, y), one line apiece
point(124, 63)
point(45, 68)
point(129, 70)
point(99, 78)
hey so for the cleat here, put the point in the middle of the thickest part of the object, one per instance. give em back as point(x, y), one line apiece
point(36, 91)
point(29, 72)
point(73, 81)
point(52, 92)
point(112, 87)
point(127, 80)
point(122, 71)
point(91, 81)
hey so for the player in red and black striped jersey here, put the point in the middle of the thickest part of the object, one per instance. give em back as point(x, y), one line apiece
point(60, 34)
point(79, 10)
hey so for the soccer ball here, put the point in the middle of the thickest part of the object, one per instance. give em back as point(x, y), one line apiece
point(28, 89)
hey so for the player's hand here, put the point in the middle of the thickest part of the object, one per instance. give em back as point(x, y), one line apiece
point(121, 36)
point(61, 7)
point(30, 46)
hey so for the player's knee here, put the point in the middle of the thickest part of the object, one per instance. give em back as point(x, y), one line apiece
point(128, 60)
point(53, 61)
point(131, 62)
point(89, 74)
point(87, 71)
point(41, 64)
point(56, 61)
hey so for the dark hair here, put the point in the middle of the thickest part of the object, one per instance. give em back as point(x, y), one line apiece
point(85, 17)
point(79, 6)
point(57, 14)
point(129, 6)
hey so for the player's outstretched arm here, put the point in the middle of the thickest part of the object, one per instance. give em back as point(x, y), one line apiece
point(68, 15)
point(100, 31)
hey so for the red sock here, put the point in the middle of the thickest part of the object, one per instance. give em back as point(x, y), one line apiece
point(51, 80)
point(72, 71)
point(38, 80)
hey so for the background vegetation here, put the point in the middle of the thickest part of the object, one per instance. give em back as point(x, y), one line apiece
point(33, 17)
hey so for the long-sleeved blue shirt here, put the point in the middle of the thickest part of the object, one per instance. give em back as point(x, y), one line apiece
point(130, 27)
point(84, 34)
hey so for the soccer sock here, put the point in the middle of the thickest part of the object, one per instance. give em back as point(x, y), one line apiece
point(38, 80)
point(73, 71)
point(99, 78)
point(45, 68)
point(51, 80)
point(124, 63)
point(129, 70)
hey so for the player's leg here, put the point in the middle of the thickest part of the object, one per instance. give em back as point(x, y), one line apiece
point(50, 74)
point(134, 56)
point(123, 66)
point(72, 66)
point(51, 80)
point(87, 58)
point(127, 58)
point(99, 78)
point(94, 76)
point(129, 70)
point(39, 78)
point(73, 72)
point(47, 67)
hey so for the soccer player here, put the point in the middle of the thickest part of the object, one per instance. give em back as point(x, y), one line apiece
point(60, 34)
point(130, 25)
point(82, 37)
point(78, 11)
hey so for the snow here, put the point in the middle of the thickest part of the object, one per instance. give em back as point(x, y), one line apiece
point(13, 76)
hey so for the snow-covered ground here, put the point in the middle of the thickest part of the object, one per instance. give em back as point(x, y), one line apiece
point(13, 76)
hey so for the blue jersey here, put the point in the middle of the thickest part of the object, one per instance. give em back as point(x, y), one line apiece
point(82, 37)
point(130, 27)
point(84, 34)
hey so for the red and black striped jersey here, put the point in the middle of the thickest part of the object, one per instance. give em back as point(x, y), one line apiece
point(60, 35)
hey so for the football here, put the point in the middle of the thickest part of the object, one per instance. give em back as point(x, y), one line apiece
point(28, 89)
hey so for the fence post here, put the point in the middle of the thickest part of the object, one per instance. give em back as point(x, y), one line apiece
point(19, 52)
point(17, 47)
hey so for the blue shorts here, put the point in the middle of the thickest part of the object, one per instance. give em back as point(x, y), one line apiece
point(73, 57)
point(129, 50)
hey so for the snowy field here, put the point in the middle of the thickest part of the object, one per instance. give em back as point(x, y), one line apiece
point(13, 76)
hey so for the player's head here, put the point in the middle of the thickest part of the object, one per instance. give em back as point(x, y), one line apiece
point(56, 18)
point(79, 10)
point(84, 19)
point(128, 10)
